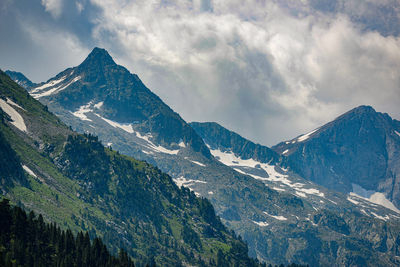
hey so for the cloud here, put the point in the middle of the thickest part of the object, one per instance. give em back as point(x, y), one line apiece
point(40, 45)
point(253, 64)
point(269, 70)
point(54, 7)
point(79, 6)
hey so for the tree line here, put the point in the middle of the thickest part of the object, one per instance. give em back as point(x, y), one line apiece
point(26, 240)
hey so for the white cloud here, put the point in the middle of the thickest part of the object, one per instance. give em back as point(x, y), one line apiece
point(252, 64)
point(79, 6)
point(61, 50)
point(54, 7)
point(269, 70)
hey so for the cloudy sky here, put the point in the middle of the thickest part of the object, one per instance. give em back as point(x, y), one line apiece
point(269, 70)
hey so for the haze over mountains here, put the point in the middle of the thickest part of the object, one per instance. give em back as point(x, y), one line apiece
point(281, 205)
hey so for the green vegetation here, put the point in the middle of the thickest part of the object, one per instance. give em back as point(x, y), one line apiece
point(82, 186)
point(26, 240)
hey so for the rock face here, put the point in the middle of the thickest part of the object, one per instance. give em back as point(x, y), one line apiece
point(220, 138)
point(120, 96)
point(359, 148)
point(336, 235)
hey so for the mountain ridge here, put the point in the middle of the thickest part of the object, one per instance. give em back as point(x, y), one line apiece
point(21, 79)
point(124, 100)
point(74, 180)
point(280, 215)
point(230, 140)
point(362, 137)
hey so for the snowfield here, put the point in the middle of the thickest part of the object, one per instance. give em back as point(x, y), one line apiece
point(54, 90)
point(230, 159)
point(306, 136)
point(261, 224)
point(49, 84)
point(280, 218)
point(80, 113)
point(16, 118)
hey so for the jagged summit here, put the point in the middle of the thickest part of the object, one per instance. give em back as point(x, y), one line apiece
point(98, 57)
point(118, 96)
point(363, 108)
point(360, 110)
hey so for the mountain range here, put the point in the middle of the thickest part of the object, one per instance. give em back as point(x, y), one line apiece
point(268, 197)
point(73, 180)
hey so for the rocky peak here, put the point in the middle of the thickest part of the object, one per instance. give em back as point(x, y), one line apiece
point(99, 57)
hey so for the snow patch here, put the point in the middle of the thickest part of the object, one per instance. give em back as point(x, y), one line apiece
point(16, 118)
point(374, 197)
point(286, 151)
point(182, 144)
point(306, 136)
point(380, 199)
point(278, 189)
point(165, 150)
point(198, 163)
point(280, 218)
point(49, 84)
point(311, 191)
point(127, 127)
point(182, 181)
point(397, 133)
point(80, 113)
point(210, 192)
point(26, 168)
point(353, 201)
point(152, 146)
point(380, 217)
point(261, 224)
point(99, 105)
point(230, 159)
point(144, 137)
point(300, 194)
point(54, 90)
point(363, 211)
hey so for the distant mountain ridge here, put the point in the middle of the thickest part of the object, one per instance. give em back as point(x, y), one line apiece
point(21, 79)
point(359, 148)
point(220, 138)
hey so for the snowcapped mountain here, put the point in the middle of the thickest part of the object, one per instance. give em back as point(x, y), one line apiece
point(72, 179)
point(358, 153)
point(101, 91)
point(244, 156)
point(281, 215)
